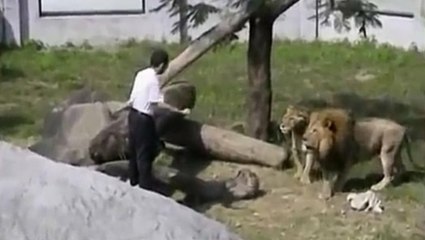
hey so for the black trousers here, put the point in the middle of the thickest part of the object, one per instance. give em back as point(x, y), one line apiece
point(143, 144)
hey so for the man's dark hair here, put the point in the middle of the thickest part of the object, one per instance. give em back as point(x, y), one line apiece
point(158, 57)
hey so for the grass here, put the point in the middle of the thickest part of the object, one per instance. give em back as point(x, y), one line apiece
point(372, 80)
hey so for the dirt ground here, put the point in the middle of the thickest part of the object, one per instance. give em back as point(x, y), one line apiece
point(289, 210)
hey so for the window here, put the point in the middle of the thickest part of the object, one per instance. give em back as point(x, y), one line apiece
point(90, 7)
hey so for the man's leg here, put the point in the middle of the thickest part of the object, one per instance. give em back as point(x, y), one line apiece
point(133, 143)
point(147, 151)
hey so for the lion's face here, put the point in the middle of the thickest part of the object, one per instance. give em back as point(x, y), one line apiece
point(319, 137)
point(294, 119)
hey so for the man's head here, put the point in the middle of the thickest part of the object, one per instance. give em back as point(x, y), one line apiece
point(159, 60)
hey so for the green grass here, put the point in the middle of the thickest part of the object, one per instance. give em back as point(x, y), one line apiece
point(33, 78)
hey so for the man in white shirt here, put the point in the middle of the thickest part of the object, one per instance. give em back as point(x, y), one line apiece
point(143, 137)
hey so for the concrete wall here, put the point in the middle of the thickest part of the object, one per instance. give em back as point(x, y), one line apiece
point(26, 23)
point(10, 21)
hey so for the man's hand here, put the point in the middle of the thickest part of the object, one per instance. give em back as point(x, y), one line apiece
point(185, 111)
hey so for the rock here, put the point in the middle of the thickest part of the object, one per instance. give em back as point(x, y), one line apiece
point(70, 127)
point(114, 106)
point(78, 124)
point(52, 121)
point(42, 199)
point(180, 94)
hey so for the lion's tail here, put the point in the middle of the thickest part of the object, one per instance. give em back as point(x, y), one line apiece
point(407, 142)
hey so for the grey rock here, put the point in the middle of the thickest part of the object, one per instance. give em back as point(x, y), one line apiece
point(78, 125)
point(111, 143)
point(52, 121)
point(180, 94)
point(47, 200)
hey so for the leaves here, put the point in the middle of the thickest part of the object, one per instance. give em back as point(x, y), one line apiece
point(197, 14)
point(200, 12)
point(363, 12)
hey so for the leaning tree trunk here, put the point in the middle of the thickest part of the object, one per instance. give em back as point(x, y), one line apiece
point(259, 96)
point(208, 40)
point(183, 27)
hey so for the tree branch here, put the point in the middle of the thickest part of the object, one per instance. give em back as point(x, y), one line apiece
point(280, 6)
point(207, 40)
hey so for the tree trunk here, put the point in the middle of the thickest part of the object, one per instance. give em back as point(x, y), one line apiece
point(183, 27)
point(224, 144)
point(208, 40)
point(259, 96)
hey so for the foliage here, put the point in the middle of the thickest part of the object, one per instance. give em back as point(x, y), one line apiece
point(197, 13)
point(363, 12)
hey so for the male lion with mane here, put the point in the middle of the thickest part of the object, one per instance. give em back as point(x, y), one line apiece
point(374, 136)
point(329, 140)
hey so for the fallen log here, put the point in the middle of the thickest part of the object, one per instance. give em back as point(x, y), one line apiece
point(224, 144)
point(244, 185)
point(111, 144)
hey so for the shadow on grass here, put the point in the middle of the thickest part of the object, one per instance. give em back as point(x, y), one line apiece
point(8, 73)
point(203, 207)
point(363, 184)
point(9, 122)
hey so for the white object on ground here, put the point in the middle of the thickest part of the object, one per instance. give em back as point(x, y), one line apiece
point(366, 201)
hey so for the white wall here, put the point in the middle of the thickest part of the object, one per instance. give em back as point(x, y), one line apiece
point(26, 22)
point(9, 22)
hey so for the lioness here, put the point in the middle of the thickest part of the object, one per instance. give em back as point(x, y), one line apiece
point(329, 139)
point(373, 135)
point(294, 122)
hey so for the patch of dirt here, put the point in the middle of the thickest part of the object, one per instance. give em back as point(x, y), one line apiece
point(292, 211)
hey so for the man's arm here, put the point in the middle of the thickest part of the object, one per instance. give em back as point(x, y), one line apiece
point(132, 92)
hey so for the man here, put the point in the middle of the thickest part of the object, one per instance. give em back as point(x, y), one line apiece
point(145, 96)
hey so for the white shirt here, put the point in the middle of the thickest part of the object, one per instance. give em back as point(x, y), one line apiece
point(145, 91)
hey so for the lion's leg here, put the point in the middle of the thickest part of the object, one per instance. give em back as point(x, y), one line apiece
point(399, 167)
point(327, 185)
point(309, 160)
point(341, 178)
point(387, 161)
point(297, 160)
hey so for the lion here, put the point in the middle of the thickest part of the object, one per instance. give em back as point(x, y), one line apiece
point(329, 140)
point(375, 137)
point(293, 123)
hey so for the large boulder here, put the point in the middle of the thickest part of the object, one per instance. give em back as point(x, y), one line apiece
point(86, 94)
point(71, 125)
point(78, 124)
point(180, 94)
point(42, 199)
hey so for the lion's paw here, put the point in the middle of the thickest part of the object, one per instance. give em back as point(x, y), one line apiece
point(305, 180)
